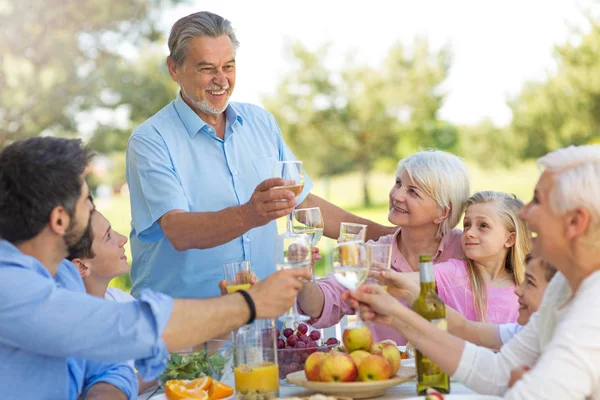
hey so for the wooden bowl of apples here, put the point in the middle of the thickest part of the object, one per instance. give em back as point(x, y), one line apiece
point(361, 369)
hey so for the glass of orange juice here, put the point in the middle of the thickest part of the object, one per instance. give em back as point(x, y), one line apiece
point(255, 356)
point(238, 275)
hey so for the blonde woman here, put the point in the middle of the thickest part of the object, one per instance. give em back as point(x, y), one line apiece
point(426, 202)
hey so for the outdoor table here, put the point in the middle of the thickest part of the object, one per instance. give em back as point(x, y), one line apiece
point(402, 391)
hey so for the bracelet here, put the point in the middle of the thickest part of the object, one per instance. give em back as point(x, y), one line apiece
point(251, 305)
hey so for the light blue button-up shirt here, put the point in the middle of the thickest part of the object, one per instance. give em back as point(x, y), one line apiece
point(176, 161)
point(56, 341)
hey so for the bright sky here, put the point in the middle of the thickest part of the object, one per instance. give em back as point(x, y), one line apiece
point(497, 45)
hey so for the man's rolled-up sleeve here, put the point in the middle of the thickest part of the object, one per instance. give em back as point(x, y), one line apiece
point(154, 185)
point(37, 316)
point(120, 375)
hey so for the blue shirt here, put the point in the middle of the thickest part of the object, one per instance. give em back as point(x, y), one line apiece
point(56, 341)
point(176, 161)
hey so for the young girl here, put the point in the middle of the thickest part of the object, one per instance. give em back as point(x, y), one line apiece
point(495, 241)
point(426, 202)
point(101, 258)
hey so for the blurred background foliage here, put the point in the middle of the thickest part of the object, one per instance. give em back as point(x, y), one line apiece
point(96, 69)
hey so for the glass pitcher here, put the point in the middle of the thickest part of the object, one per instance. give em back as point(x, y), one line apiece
point(255, 357)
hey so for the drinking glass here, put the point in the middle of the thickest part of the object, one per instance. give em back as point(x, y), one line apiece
point(308, 221)
point(292, 251)
point(238, 275)
point(255, 356)
point(293, 174)
point(350, 266)
point(380, 259)
point(350, 232)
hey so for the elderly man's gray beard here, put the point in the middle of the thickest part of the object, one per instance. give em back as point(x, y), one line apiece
point(204, 105)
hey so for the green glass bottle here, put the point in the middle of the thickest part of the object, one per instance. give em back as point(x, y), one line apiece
point(432, 308)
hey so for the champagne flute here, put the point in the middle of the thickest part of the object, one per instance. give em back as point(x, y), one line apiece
point(293, 174)
point(350, 266)
point(308, 221)
point(380, 258)
point(292, 251)
point(350, 232)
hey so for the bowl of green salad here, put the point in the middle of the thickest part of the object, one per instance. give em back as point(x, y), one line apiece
point(214, 358)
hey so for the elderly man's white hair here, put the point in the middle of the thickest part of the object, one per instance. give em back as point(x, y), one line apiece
point(577, 183)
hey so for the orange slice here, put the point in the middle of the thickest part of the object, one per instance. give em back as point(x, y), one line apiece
point(219, 390)
point(176, 389)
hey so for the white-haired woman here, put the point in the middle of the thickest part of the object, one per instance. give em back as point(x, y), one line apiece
point(426, 201)
point(557, 354)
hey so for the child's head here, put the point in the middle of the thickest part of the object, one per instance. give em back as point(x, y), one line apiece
point(431, 187)
point(492, 232)
point(101, 254)
point(531, 291)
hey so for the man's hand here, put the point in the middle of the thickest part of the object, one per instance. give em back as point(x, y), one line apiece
point(266, 204)
point(276, 294)
point(375, 303)
point(516, 374)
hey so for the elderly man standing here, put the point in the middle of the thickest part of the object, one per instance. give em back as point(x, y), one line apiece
point(199, 173)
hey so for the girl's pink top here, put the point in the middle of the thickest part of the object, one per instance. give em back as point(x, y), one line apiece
point(334, 308)
point(453, 286)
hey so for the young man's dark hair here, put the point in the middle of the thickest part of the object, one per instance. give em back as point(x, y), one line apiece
point(37, 175)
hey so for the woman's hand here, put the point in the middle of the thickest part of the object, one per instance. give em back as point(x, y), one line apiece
point(242, 278)
point(516, 374)
point(402, 285)
point(375, 303)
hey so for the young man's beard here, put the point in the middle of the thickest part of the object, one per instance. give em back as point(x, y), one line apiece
point(72, 238)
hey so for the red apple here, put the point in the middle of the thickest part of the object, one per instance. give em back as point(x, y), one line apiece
point(312, 366)
point(374, 368)
point(357, 339)
point(358, 356)
point(390, 352)
point(338, 367)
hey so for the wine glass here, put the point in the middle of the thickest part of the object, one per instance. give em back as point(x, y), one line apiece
point(350, 232)
point(308, 221)
point(380, 258)
point(293, 174)
point(350, 266)
point(292, 251)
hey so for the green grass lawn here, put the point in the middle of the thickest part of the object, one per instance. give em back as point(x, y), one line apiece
point(346, 192)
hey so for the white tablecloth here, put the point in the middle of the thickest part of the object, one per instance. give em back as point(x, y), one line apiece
point(402, 391)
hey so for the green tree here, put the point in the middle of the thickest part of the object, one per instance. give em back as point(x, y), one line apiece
point(54, 58)
point(488, 145)
point(564, 109)
point(338, 121)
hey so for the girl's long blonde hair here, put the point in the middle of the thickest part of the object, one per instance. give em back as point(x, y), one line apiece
point(508, 207)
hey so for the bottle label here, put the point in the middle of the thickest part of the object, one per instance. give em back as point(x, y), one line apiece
point(441, 323)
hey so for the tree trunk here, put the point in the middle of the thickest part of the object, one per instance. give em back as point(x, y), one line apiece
point(364, 173)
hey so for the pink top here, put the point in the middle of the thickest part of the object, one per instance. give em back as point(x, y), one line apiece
point(453, 286)
point(334, 309)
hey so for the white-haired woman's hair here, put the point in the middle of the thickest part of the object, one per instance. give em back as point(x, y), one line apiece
point(577, 184)
point(444, 177)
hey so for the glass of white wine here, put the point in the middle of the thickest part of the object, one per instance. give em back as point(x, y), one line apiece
point(292, 251)
point(380, 259)
point(350, 266)
point(293, 174)
point(350, 232)
point(308, 221)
